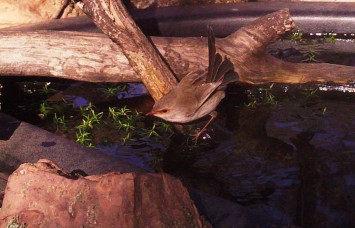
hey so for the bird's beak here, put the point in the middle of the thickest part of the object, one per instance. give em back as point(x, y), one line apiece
point(151, 113)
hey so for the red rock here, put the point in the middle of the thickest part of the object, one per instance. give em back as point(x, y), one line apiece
point(43, 195)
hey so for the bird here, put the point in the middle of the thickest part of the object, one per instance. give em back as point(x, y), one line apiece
point(199, 92)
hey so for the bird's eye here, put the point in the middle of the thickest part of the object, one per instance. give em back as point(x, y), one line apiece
point(164, 110)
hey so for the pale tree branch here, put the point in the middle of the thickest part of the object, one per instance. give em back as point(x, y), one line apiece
point(95, 58)
point(113, 19)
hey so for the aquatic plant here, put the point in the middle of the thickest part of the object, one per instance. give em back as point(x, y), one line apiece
point(83, 137)
point(127, 138)
point(84, 130)
point(324, 111)
point(296, 36)
point(44, 110)
point(261, 96)
point(150, 132)
point(90, 114)
point(45, 89)
point(311, 94)
point(165, 127)
point(124, 118)
point(330, 38)
point(310, 56)
point(269, 98)
point(86, 125)
point(60, 122)
point(251, 104)
point(132, 122)
point(113, 90)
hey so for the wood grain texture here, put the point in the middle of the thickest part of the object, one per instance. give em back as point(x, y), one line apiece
point(114, 20)
point(93, 57)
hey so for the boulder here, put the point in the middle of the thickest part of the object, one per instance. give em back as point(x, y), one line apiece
point(43, 195)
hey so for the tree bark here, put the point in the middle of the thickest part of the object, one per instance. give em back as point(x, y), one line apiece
point(95, 58)
point(113, 19)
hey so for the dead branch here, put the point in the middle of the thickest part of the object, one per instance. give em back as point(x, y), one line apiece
point(95, 58)
point(113, 19)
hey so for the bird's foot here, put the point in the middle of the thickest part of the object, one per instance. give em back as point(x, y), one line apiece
point(198, 134)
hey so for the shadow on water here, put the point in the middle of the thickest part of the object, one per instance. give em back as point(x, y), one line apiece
point(287, 155)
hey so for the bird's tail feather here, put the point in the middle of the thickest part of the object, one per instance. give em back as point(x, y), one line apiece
point(218, 69)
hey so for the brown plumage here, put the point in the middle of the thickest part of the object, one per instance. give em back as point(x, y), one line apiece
point(197, 94)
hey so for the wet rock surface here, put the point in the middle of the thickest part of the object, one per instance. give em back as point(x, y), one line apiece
point(22, 142)
point(292, 161)
point(322, 131)
point(48, 196)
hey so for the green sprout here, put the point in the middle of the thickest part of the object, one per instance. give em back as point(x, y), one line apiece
point(124, 111)
point(83, 138)
point(251, 104)
point(330, 38)
point(165, 127)
point(324, 111)
point(86, 125)
point(127, 138)
point(269, 98)
point(93, 117)
point(150, 132)
point(113, 90)
point(296, 36)
point(44, 110)
point(126, 125)
point(60, 122)
point(310, 56)
point(263, 96)
point(311, 94)
point(86, 109)
point(45, 89)
point(124, 118)
point(90, 115)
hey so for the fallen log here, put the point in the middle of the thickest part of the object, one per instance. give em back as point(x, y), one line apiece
point(95, 58)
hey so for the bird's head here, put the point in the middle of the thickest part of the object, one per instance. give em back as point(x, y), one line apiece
point(165, 109)
point(162, 110)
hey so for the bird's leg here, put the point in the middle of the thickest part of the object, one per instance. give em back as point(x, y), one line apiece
point(213, 116)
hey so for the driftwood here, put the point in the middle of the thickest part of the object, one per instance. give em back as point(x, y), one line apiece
point(114, 20)
point(95, 58)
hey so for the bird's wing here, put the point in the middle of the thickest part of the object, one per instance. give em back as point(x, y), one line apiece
point(194, 85)
point(203, 85)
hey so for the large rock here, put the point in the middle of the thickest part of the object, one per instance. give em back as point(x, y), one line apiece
point(43, 195)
